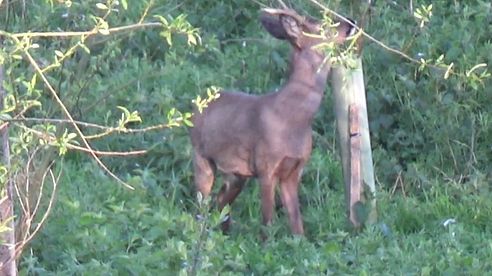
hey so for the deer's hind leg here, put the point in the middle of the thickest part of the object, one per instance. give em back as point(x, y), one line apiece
point(233, 185)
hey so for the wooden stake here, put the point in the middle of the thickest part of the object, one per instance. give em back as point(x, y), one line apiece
point(355, 174)
point(348, 89)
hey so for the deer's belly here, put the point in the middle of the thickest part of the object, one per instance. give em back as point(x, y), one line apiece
point(234, 160)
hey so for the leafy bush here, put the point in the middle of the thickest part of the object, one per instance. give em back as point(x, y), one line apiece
point(430, 138)
point(422, 125)
point(101, 228)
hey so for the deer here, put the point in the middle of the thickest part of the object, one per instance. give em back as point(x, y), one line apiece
point(269, 136)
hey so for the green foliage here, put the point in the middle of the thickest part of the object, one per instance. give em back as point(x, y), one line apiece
point(178, 25)
point(424, 125)
point(212, 94)
point(430, 127)
point(100, 228)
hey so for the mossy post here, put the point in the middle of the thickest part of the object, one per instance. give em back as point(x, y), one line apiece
point(349, 94)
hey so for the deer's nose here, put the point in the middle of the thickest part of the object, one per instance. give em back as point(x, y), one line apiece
point(351, 30)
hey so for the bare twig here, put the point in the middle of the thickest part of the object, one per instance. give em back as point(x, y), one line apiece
point(69, 116)
point(107, 153)
point(381, 44)
point(30, 235)
point(89, 125)
point(20, 196)
point(51, 139)
point(146, 11)
point(18, 115)
point(40, 194)
point(244, 39)
point(446, 68)
point(49, 120)
point(398, 181)
point(95, 31)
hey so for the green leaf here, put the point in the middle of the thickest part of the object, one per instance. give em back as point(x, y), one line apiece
point(33, 81)
point(191, 39)
point(124, 4)
point(59, 53)
point(168, 36)
point(480, 65)
point(448, 71)
point(162, 19)
point(84, 47)
point(124, 109)
point(71, 136)
point(101, 6)
point(103, 31)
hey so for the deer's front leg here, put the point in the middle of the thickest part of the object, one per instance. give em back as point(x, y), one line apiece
point(267, 199)
point(290, 171)
point(290, 200)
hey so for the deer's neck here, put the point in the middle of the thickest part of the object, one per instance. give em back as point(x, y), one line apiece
point(303, 92)
point(307, 68)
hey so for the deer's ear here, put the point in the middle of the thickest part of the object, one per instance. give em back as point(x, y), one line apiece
point(272, 23)
point(291, 27)
point(282, 26)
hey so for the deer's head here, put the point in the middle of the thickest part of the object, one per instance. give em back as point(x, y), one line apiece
point(303, 32)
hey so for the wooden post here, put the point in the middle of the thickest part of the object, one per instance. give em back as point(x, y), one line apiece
point(348, 89)
point(355, 179)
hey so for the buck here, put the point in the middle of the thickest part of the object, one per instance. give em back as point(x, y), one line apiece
point(268, 136)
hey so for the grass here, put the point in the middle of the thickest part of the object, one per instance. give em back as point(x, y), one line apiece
point(100, 228)
point(432, 132)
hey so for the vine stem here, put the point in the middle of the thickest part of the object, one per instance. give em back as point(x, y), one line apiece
point(82, 33)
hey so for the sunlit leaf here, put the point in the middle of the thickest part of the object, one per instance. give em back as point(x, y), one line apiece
point(101, 6)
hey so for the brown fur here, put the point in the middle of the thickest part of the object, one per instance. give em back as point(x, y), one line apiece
point(267, 136)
